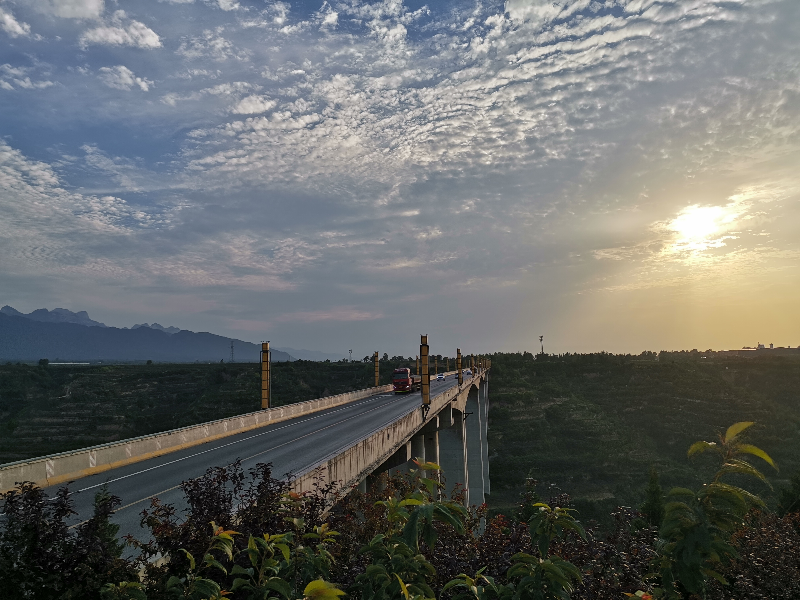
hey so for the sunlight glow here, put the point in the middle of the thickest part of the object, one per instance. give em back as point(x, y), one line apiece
point(698, 223)
point(699, 228)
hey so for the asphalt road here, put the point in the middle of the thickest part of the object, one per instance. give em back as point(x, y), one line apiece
point(292, 446)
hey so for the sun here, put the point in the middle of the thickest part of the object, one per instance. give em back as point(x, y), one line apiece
point(698, 223)
point(699, 228)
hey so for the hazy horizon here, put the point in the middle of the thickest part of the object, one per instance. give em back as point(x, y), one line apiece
point(612, 174)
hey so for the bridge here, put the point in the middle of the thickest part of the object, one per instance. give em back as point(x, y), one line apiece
point(346, 439)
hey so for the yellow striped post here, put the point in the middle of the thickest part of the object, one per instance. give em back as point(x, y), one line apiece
point(426, 376)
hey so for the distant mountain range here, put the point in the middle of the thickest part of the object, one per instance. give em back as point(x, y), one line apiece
point(169, 330)
point(57, 315)
point(74, 337)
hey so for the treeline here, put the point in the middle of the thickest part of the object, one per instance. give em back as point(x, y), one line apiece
point(248, 536)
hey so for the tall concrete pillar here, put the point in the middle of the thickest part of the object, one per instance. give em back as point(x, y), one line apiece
point(418, 447)
point(474, 441)
point(430, 434)
point(453, 454)
point(484, 405)
point(432, 447)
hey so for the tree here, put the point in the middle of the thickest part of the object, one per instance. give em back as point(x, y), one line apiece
point(653, 507)
point(697, 526)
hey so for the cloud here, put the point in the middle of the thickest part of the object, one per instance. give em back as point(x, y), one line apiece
point(122, 78)
point(364, 154)
point(17, 77)
point(253, 105)
point(70, 9)
point(210, 44)
point(13, 27)
point(343, 314)
point(228, 5)
point(118, 33)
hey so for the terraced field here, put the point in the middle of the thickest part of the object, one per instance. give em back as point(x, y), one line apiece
point(51, 409)
point(594, 424)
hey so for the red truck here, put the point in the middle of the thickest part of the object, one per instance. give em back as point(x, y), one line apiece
point(404, 382)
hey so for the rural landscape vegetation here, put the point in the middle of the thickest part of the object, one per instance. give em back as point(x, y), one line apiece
point(211, 210)
point(583, 451)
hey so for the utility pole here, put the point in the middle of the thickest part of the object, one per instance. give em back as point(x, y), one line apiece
point(232, 351)
point(265, 375)
point(436, 362)
point(377, 369)
point(458, 366)
point(541, 341)
point(426, 376)
point(351, 355)
point(417, 364)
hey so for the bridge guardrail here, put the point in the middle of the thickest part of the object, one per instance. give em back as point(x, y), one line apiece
point(60, 468)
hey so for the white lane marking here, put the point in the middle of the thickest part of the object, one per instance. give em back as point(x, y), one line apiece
point(232, 444)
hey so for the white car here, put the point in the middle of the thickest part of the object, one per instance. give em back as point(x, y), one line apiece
point(440, 377)
point(467, 373)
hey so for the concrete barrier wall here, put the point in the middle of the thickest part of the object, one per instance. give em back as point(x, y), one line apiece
point(351, 465)
point(67, 466)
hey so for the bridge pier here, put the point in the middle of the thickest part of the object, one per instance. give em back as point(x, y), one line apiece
point(475, 434)
point(453, 451)
point(484, 409)
point(456, 439)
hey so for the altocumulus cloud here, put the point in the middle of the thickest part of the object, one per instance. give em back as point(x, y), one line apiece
point(121, 31)
point(122, 78)
point(345, 160)
point(11, 26)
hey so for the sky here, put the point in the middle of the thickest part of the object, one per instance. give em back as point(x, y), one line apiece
point(618, 175)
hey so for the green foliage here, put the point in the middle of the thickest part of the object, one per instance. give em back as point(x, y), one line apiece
point(538, 578)
point(42, 558)
point(653, 507)
point(789, 501)
point(547, 524)
point(126, 590)
point(697, 526)
point(408, 541)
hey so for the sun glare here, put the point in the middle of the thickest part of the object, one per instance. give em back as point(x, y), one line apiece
point(697, 223)
point(698, 228)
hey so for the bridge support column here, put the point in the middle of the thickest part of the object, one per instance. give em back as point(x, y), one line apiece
point(453, 453)
point(430, 435)
point(474, 441)
point(418, 447)
point(487, 484)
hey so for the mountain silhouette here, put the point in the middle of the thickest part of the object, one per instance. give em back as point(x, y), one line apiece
point(23, 338)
